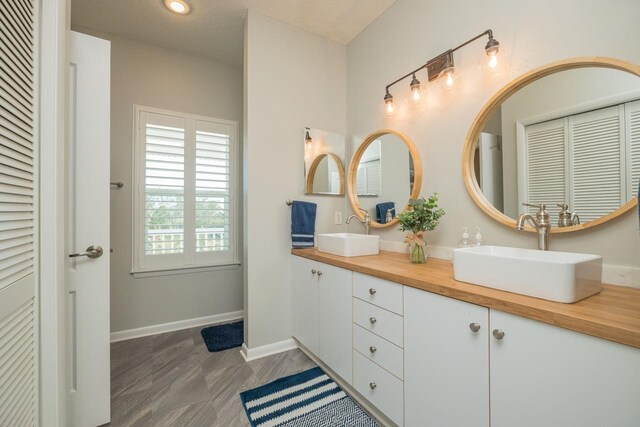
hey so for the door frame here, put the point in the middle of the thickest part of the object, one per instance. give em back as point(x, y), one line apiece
point(52, 117)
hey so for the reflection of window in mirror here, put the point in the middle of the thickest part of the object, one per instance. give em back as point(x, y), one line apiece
point(369, 175)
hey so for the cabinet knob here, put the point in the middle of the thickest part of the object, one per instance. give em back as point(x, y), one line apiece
point(475, 327)
point(313, 271)
point(319, 273)
point(498, 334)
point(372, 291)
point(372, 320)
point(372, 386)
point(372, 349)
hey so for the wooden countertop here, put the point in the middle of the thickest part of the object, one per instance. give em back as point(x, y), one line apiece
point(613, 314)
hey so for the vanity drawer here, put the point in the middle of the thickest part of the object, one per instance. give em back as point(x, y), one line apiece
point(379, 387)
point(377, 291)
point(381, 322)
point(379, 350)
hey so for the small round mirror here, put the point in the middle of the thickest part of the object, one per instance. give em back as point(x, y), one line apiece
point(384, 174)
point(325, 176)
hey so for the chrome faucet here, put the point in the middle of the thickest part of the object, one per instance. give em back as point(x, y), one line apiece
point(541, 223)
point(366, 221)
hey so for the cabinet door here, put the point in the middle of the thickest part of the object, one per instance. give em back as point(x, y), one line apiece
point(542, 375)
point(305, 302)
point(335, 326)
point(446, 363)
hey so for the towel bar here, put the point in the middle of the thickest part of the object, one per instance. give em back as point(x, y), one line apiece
point(288, 202)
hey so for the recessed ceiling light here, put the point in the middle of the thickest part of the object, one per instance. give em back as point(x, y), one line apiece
point(177, 6)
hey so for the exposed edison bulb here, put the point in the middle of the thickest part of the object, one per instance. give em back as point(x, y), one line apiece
point(415, 90)
point(449, 81)
point(389, 106)
point(388, 103)
point(493, 59)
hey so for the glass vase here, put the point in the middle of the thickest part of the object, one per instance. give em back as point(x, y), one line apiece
point(417, 253)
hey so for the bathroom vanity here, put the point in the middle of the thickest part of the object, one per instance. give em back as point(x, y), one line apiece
point(424, 349)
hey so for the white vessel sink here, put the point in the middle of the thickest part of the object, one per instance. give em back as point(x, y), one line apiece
point(556, 276)
point(349, 244)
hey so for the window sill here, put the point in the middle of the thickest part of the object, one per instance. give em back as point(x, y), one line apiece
point(171, 271)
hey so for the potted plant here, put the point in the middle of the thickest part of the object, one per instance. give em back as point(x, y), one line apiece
point(422, 215)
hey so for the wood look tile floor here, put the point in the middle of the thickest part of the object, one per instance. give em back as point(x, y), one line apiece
point(172, 380)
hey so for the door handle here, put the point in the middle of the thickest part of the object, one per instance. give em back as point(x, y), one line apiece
point(93, 251)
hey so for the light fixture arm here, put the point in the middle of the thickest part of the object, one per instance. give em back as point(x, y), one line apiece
point(445, 57)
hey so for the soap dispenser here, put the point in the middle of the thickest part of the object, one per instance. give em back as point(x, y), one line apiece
point(477, 238)
point(464, 241)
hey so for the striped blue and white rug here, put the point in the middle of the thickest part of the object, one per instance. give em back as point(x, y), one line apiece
point(307, 399)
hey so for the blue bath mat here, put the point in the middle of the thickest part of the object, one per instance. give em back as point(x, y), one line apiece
point(309, 398)
point(223, 337)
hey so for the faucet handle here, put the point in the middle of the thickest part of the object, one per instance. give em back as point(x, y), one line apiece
point(541, 206)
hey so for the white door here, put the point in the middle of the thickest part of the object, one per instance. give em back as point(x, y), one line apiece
point(542, 375)
point(446, 352)
point(491, 169)
point(19, 386)
point(305, 302)
point(88, 225)
point(335, 324)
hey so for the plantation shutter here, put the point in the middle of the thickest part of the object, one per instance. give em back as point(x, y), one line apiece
point(597, 162)
point(18, 385)
point(632, 123)
point(213, 189)
point(546, 165)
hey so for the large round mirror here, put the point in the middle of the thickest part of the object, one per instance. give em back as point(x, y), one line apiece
point(566, 135)
point(384, 174)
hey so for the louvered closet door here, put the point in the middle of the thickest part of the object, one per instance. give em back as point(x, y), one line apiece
point(597, 162)
point(632, 124)
point(18, 361)
point(545, 172)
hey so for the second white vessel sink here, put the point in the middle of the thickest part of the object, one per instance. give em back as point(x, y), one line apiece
point(349, 244)
point(557, 276)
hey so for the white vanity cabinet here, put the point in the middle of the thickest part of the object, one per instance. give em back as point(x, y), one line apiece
point(543, 375)
point(305, 302)
point(322, 313)
point(334, 324)
point(446, 361)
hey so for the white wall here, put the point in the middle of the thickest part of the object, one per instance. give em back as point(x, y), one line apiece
point(155, 77)
point(531, 34)
point(293, 79)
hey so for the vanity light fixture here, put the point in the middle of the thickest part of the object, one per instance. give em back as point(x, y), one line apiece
point(180, 7)
point(307, 137)
point(442, 68)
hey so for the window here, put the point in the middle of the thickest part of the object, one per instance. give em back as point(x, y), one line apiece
point(184, 210)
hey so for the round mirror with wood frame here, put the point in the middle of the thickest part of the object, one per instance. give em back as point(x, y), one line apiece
point(470, 156)
point(414, 185)
point(313, 169)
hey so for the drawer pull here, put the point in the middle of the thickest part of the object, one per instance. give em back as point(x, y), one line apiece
point(372, 386)
point(372, 349)
point(372, 291)
point(498, 334)
point(313, 271)
point(372, 320)
point(475, 327)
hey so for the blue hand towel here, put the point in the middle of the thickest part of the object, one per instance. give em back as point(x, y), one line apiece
point(303, 224)
point(381, 211)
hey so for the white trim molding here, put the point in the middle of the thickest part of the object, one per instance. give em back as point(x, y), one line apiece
point(176, 326)
point(250, 354)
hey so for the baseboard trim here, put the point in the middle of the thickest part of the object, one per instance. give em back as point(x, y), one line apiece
point(250, 354)
point(176, 326)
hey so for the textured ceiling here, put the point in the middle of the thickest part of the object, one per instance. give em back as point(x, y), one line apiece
point(214, 28)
